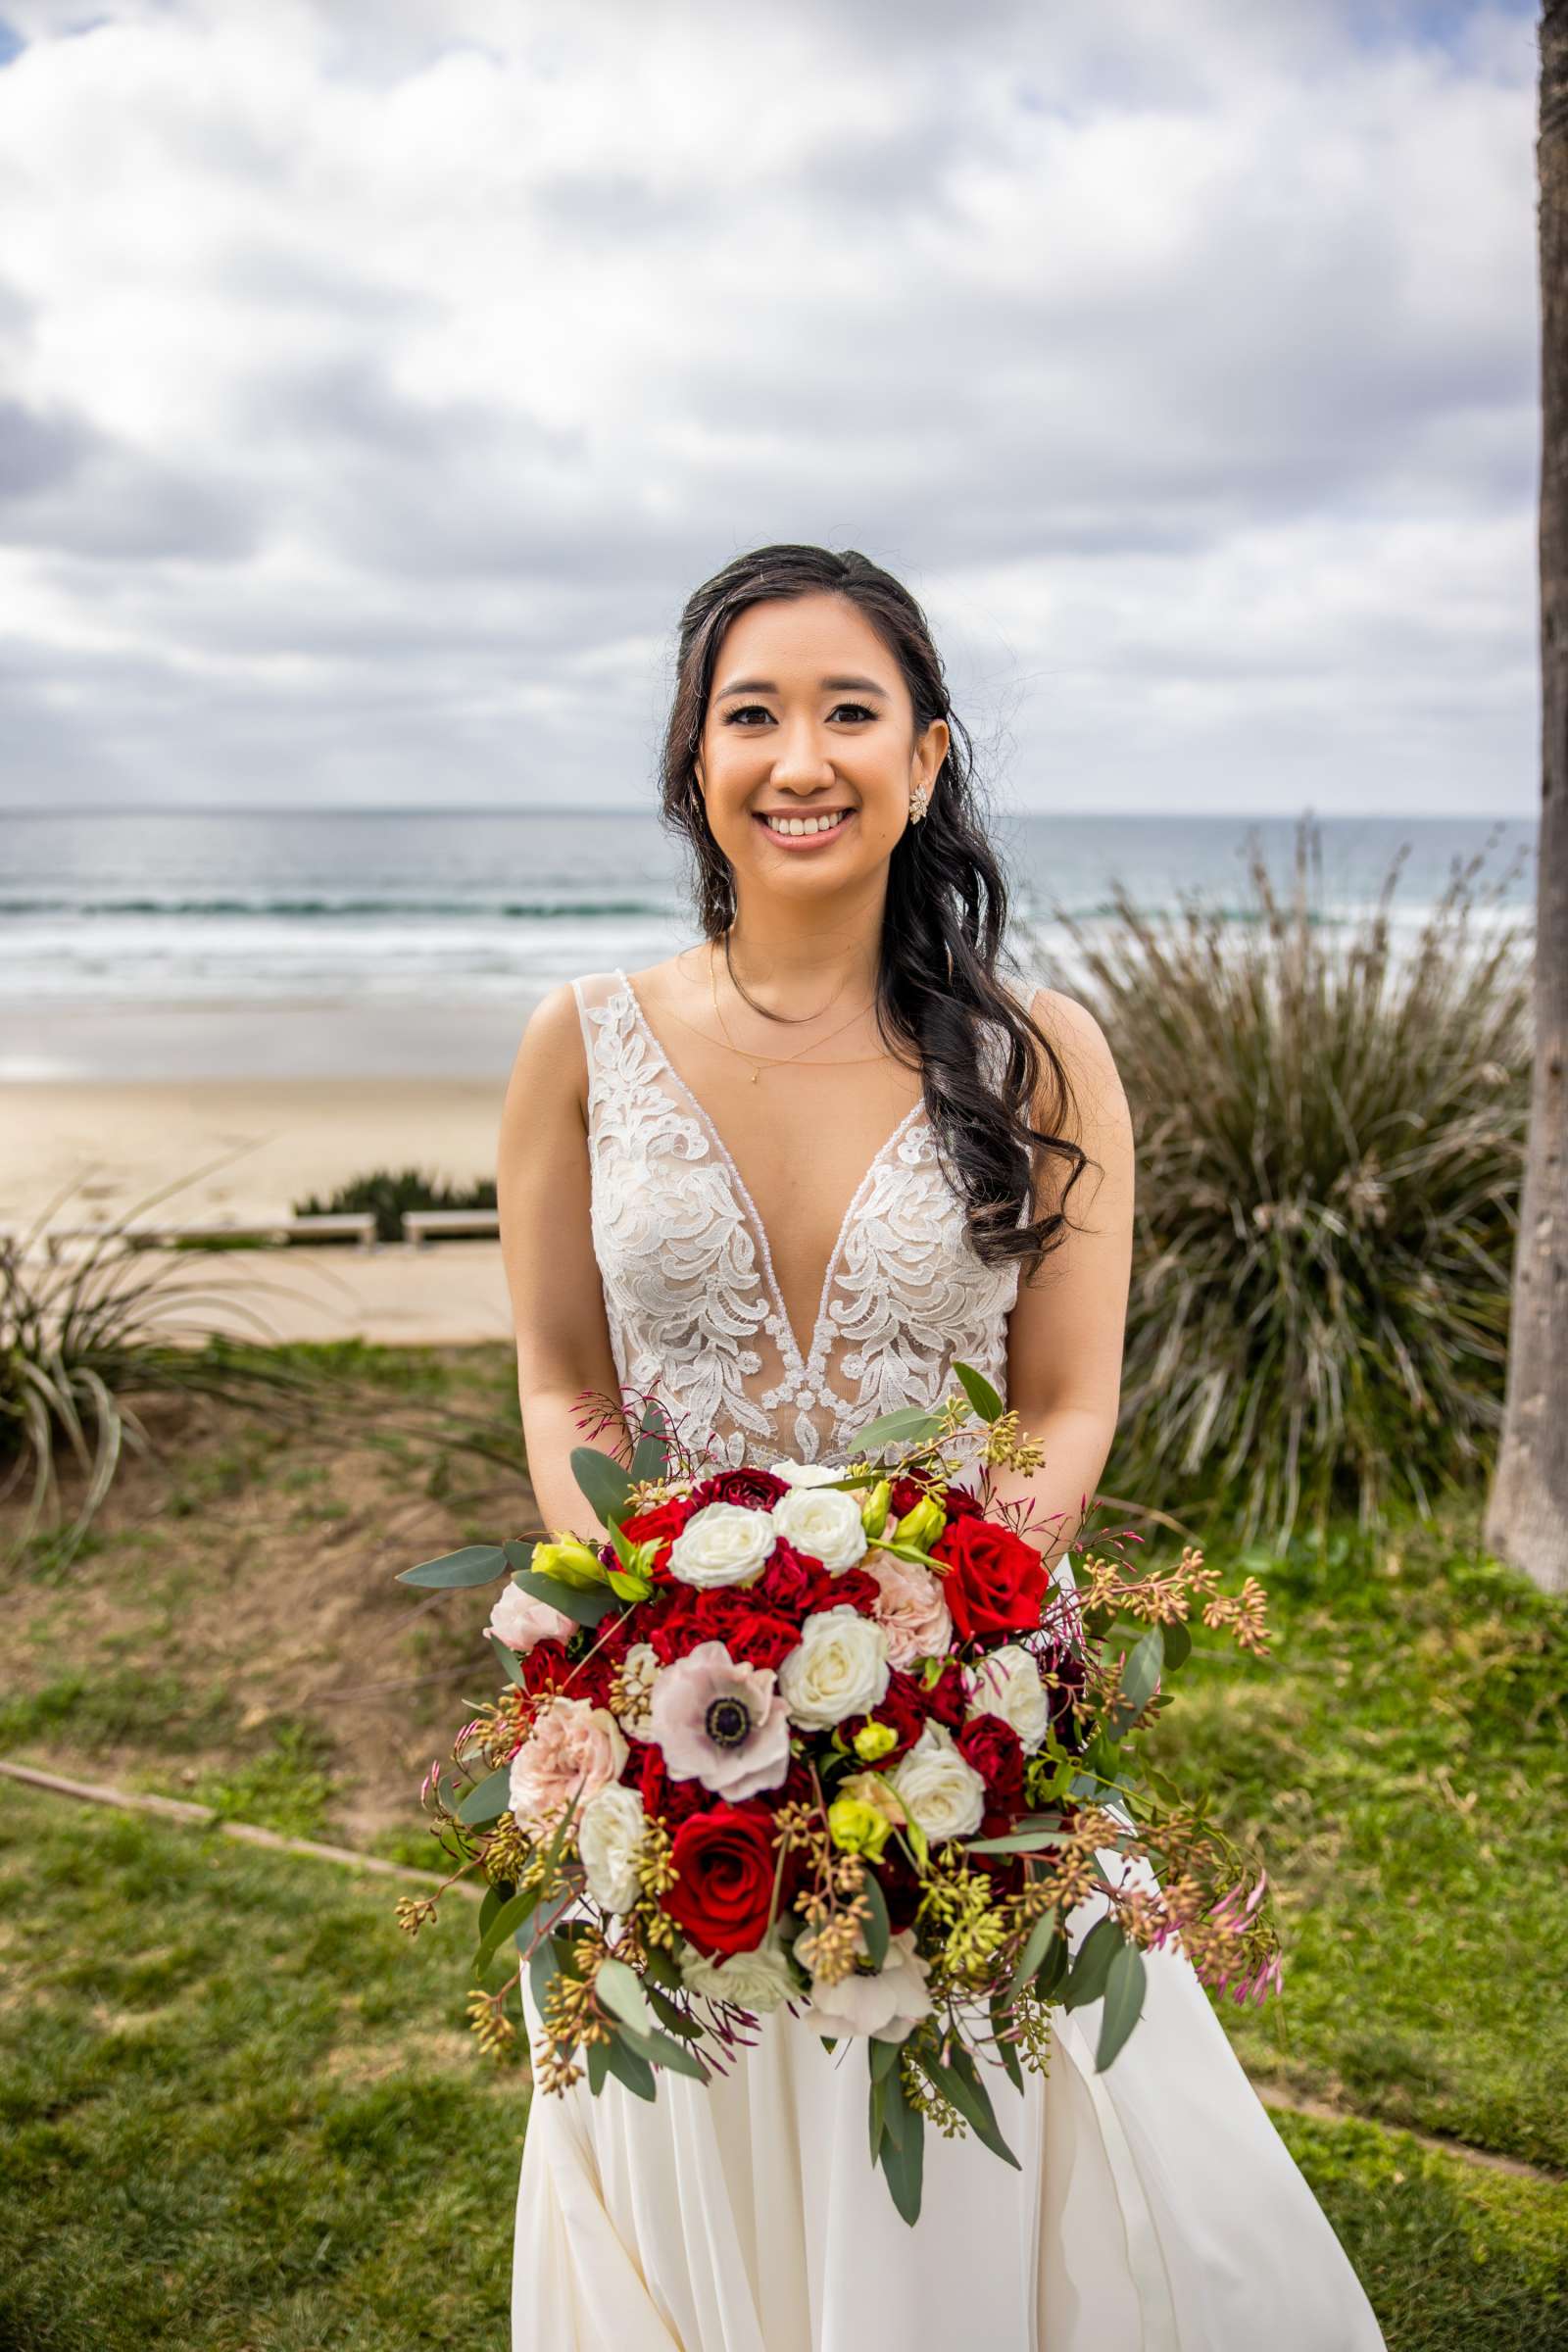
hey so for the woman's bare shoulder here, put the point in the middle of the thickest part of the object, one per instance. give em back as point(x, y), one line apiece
point(549, 1070)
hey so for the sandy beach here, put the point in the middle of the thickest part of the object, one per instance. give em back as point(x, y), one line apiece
point(230, 1149)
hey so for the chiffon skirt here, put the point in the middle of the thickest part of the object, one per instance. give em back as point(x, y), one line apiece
point(1157, 2210)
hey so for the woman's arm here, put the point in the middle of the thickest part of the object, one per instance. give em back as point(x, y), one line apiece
point(558, 1303)
point(1065, 1334)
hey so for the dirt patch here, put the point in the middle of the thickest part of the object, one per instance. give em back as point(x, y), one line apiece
point(245, 1580)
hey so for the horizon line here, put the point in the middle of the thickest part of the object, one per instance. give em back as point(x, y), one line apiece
point(638, 809)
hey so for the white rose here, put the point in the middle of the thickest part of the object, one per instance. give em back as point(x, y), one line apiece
point(839, 1669)
point(610, 1839)
point(942, 1793)
point(824, 1521)
point(887, 2003)
point(758, 1981)
point(805, 1474)
point(722, 1543)
point(1008, 1684)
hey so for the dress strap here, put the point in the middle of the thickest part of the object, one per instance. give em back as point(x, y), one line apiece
point(593, 992)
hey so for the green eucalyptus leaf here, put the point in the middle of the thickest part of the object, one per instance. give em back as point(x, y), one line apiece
point(487, 1800)
point(1142, 1672)
point(507, 1660)
point(583, 1608)
point(661, 2050)
point(981, 1395)
point(1123, 2003)
point(1042, 1935)
point(544, 1967)
point(474, 1565)
point(1019, 1841)
point(598, 2066)
point(960, 2083)
point(877, 2114)
point(616, 1985)
point(884, 2057)
point(674, 2020)
point(1178, 1645)
point(651, 1454)
point(662, 1967)
point(631, 2068)
point(1085, 1978)
point(907, 1427)
point(507, 1921)
point(605, 1483)
point(1001, 2025)
point(1052, 1968)
point(902, 2156)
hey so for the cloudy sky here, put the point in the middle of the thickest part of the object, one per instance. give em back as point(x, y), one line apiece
point(377, 378)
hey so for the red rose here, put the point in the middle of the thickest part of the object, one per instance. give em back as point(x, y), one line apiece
point(902, 1709)
point(662, 1525)
point(664, 1800)
point(758, 1635)
point(753, 1490)
point(995, 1751)
point(956, 1504)
point(996, 1581)
point(762, 1639)
point(545, 1668)
point(725, 1864)
point(946, 1699)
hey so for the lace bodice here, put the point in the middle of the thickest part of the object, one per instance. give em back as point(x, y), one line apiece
point(692, 1306)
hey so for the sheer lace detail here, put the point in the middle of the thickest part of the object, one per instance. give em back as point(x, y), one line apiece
point(692, 1302)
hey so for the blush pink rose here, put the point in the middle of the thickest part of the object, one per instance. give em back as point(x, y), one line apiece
point(519, 1621)
point(573, 1750)
point(911, 1609)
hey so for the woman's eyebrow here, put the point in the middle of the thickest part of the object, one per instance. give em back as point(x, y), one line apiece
point(833, 685)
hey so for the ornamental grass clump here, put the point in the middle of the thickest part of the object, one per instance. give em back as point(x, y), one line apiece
point(82, 1335)
point(1331, 1130)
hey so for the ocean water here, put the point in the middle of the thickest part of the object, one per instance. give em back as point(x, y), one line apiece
point(163, 943)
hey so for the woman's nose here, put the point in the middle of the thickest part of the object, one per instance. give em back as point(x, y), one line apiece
point(799, 754)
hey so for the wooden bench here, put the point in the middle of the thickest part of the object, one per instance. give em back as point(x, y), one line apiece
point(335, 1225)
point(421, 1225)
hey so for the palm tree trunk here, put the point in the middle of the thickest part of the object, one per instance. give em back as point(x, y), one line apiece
point(1527, 1518)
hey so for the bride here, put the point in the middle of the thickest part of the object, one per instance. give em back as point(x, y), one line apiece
point(786, 1178)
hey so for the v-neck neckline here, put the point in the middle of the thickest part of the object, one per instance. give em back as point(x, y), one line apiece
point(801, 1363)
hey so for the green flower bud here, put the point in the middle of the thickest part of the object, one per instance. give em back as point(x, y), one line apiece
point(874, 1741)
point(858, 1828)
point(570, 1563)
point(875, 1509)
point(922, 1526)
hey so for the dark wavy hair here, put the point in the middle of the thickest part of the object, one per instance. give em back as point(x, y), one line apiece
point(943, 929)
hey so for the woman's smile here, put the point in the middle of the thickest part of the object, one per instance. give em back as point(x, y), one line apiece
point(804, 829)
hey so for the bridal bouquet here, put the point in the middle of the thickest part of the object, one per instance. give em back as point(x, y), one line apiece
point(835, 1740)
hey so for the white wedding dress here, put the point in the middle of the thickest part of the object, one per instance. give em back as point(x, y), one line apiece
point(1157, 2209)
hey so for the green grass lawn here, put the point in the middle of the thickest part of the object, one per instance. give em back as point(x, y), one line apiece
point(239, 2113)
point(239, 2110)
point(1401, 1762)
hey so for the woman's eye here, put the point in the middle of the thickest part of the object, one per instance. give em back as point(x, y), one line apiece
point(733, 718)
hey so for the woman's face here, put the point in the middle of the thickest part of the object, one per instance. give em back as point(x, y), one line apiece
point(809, 718)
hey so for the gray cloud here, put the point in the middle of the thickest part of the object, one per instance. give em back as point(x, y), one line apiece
point(378, 384)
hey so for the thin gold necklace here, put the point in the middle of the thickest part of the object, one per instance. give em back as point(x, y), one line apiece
point(762, 1061)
